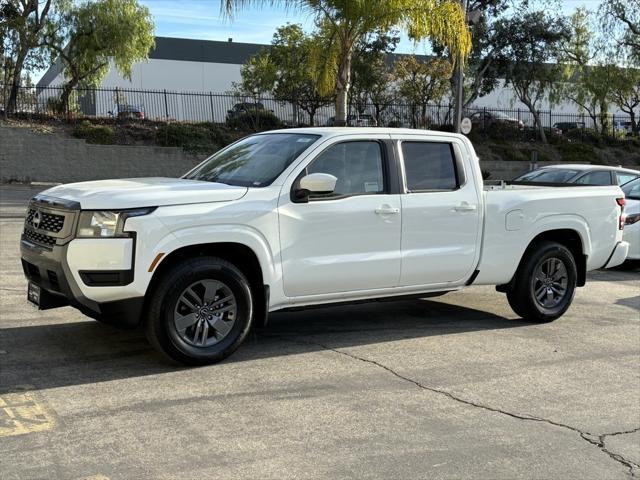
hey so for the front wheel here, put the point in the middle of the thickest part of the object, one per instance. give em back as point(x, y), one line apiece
point(200, 312)
point(545, 283)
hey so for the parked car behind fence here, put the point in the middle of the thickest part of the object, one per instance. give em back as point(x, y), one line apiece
point(127, 111)
point(564, 127)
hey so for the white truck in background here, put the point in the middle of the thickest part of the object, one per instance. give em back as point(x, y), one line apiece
point(305, 217)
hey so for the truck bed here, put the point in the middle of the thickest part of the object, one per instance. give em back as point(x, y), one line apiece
point(515, 214)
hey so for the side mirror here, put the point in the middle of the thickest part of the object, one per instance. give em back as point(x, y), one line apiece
point(318, 183)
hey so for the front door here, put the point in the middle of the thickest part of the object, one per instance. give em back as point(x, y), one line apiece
point(350, 239)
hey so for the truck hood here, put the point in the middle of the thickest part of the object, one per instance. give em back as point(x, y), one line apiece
point(144, 192)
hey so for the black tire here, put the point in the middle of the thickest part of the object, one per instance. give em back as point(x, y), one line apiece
point(521, 295)
point(160, 326)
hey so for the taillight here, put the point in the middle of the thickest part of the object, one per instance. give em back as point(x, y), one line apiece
point(621, 219)
point(631, 219)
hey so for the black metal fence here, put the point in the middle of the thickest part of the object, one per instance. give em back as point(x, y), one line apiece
point(168, 106)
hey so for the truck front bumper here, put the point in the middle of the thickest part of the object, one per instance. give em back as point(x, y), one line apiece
point(48, 269)
point(619, 255)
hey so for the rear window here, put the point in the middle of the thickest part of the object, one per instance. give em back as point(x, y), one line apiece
point(429, 166)
point(595, 178)
point(632, 190)
point(625, 177)
point(553, 175)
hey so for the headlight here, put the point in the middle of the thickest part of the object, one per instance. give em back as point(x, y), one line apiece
point(96, 224)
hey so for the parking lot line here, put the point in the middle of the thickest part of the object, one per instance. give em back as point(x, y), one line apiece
point(22, 411)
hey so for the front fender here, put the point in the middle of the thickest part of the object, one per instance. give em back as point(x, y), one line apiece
point(243, 235)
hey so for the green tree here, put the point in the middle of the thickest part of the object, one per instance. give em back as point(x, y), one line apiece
point(625, 93)
point(420, 83)
point(372, 77)
point(96, 33)
point(382, 92)
point(23, 24)
point(481, 72)
point(620, 20)
point(587, 75)
point(342, 23)
point(8, 15)
point(284, 71)
point(258, 76)
point(290, 53)
point(528, 47)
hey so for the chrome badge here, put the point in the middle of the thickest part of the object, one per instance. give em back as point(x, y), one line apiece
point(37, 218)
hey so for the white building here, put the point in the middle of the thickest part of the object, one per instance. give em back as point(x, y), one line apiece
point(188, 79)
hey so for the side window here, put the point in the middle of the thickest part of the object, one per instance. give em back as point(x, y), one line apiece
point(429, 166)
point(602, 177)
point(357, 165)
point(625, 177)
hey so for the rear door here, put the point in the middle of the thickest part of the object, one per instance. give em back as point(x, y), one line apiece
point(441, 212)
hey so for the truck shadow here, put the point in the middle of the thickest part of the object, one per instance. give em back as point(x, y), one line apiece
point(64, 354)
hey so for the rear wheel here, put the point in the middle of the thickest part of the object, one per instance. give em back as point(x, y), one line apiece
point(544, 284)
point(200, 312)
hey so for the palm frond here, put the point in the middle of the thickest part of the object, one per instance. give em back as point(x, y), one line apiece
point(228, 8)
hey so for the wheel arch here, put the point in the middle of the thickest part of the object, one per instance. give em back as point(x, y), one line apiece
point(239, 254)
point(569, 238)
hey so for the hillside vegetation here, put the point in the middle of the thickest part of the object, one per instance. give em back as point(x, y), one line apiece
point(206, 138)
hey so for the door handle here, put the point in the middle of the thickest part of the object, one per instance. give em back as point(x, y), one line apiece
point(465, 207)
point(387, 210)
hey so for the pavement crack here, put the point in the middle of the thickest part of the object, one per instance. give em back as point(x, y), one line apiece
point(625, 432)
point(593, 439)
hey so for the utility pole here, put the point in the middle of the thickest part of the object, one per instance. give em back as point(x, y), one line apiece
point(459, 80)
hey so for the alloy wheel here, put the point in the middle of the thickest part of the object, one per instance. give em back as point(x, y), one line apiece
point(205, 313)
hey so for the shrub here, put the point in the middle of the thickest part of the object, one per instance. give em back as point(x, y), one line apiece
point(585, 135)
point(256, 121)
point(220, 136)
point(504, 132)
point(578, 152)
point(97, 134)
point(510, 153)
point(54, 105)
point(447, 127)
point(553, 138)
point(542, 155)
point(205, 138)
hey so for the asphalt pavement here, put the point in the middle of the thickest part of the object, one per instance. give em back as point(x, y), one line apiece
point(455, 387)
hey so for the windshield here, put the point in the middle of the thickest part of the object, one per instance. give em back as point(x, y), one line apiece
point(555, 175)
point(255, 161)
point(632, 189)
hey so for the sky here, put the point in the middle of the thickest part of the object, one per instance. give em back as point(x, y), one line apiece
point(201, 19)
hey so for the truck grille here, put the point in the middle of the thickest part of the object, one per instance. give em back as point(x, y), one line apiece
point(49, 222)
point(39, 238)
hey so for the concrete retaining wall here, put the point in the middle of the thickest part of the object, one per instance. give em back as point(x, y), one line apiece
point(27, 156)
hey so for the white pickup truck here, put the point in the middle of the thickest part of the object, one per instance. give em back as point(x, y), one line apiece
point(304, 217)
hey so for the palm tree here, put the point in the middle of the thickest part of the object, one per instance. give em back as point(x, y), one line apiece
point(341, 23)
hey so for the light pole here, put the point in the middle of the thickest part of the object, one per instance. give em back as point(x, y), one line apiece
point(459, 80)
